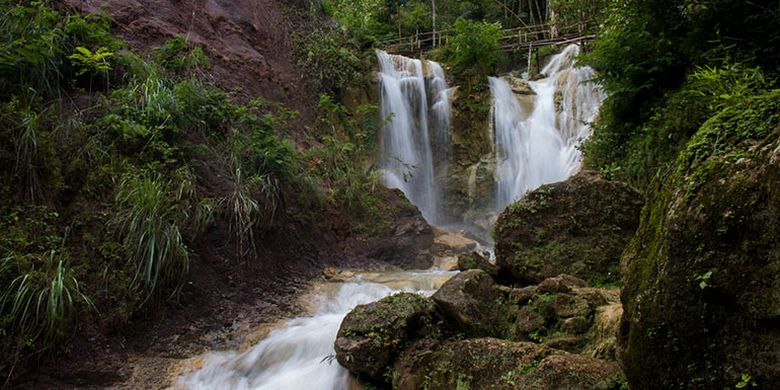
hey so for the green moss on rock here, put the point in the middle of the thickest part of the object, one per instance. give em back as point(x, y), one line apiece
point(701, 275)
point(371, 336)
point(578, 227)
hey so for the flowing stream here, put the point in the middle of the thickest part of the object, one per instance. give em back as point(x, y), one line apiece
point(534, 146)
point(299, 355)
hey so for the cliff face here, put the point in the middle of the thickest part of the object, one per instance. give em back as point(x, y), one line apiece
point(249, 43)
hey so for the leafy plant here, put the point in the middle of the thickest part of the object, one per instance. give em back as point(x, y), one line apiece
point(475, 45)
point(152, 217)
point(42, 298)
point(331, 57)
point(88, 62)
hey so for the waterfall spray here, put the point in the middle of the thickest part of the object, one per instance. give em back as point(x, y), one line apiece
point(541, 146)
point(415, 140)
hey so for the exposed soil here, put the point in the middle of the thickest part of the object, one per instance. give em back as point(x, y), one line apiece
point(249, 42)
point(224, 300)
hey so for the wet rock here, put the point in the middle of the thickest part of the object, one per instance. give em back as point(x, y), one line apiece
point(519, 86)
point(407, 244)
point(603, 335)
point(568, 343)
point(452, 244)
point(499, 364)
point(471, 303)
point(521, 296)
point(560, 284)
point(577, 227)
point(337, 275)
point(371, 336)
point(475, 260)
point(701, 288)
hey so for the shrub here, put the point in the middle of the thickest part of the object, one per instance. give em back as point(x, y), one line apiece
point(37, 41)
point(179, 57)
point(475, 45)
point(331, 57)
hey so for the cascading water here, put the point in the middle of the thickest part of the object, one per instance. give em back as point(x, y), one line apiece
point(541, 146)
point(415, 140)
point(299, 355)
point(533, 147)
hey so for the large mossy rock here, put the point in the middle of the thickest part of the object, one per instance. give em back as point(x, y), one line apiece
point(488, 363)
point(701, 287)
point(578, 227)
point(471, 303)
point(371, 336)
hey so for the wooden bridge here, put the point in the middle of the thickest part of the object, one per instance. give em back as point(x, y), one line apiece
point(512, 39)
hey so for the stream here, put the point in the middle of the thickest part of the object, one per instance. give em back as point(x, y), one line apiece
point(537, 134)
point(300, 354)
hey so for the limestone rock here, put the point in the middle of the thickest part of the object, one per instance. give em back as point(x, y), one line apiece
point(475, 260)
point(577, 227)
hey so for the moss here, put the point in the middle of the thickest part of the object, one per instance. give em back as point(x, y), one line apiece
point(711, 212)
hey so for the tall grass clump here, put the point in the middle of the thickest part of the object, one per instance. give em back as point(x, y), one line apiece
point(41, 299)
point(153, 218)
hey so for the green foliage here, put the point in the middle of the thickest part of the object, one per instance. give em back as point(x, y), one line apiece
point(667, 70)
point(153, 216)
point(39, 299)
point(413, 17)
point(177, 56)
point(364, 19)
point(339, 160)
point(745, 381)
point(475, 45)
point(636, 153)
point(87, 62)
point(589, 13)
point(37, 41)
point(330, 58)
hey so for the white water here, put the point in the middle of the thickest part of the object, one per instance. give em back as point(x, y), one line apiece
point(541, 146)
point(415, 140)
point(299, 354)
point(532, 148)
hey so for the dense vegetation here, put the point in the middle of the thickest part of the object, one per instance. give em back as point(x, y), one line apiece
point(116, 163)
point(669, 65)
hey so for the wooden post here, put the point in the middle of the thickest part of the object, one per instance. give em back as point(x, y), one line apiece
point(528, 68)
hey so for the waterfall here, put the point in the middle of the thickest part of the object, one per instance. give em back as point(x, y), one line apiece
point(542, 146)
point(415, 139)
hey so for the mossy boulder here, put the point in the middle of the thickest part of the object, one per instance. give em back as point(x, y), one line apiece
point(471, 303)
point(488, 363)
point(578, 227)
point(475, 260)
point(701, 287)
point(371, 336)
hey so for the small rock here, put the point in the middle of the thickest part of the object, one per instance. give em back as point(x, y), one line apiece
point(560, 284)
point(575, 325)
point(469, 300)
